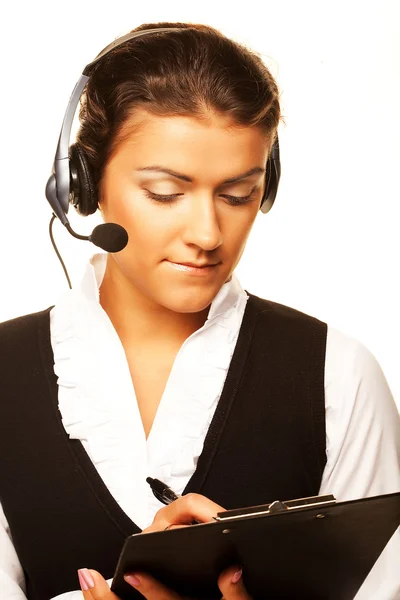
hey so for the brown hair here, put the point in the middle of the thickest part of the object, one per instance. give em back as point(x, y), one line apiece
point(191, 72)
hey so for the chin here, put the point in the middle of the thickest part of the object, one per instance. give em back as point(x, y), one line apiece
point(189, 302)
point(188, 307)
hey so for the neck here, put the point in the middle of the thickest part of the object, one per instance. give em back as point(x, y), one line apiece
point(137, 318)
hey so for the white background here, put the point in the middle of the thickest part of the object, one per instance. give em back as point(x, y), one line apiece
point(330, 246)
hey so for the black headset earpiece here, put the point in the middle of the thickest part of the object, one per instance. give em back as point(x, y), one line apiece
point(272, 176)
point(83, 194)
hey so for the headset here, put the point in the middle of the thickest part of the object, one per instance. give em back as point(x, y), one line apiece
point(71, 181)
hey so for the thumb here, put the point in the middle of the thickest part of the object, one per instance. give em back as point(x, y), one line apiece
point(230, 583)
point(94, 586)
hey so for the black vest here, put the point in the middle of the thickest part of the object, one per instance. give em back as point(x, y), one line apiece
point(266, 442)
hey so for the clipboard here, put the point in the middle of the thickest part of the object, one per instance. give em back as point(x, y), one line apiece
point(310, 548)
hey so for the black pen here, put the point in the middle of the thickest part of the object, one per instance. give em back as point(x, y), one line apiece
point(163, 493)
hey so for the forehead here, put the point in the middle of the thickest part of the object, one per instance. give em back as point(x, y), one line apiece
point(213, 145)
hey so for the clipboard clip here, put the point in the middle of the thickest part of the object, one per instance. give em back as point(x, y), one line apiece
point(276, 507)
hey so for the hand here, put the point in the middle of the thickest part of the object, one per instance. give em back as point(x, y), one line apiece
point(95, 587)
point(183, 511)
point(179, 513)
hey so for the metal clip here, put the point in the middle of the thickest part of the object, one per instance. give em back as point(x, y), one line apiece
point(276, 507)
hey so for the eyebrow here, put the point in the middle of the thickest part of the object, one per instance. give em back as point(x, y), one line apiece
point(159, 169)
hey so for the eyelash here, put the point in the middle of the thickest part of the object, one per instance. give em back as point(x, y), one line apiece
point(234, 200)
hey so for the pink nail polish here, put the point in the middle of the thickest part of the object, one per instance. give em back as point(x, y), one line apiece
point(237, 576)
point(86, 581)
point(132, 579)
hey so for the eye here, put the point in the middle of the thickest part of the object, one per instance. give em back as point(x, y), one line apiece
point(237, 200)
point(161, 198)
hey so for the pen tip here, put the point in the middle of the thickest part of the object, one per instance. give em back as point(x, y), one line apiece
point(149, 479)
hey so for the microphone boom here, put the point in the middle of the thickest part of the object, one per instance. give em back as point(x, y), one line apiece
point(110, 237)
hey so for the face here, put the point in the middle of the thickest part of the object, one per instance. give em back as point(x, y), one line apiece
point(186, 191)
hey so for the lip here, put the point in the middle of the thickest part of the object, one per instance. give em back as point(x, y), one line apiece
point(193, 269)
point(197, 265)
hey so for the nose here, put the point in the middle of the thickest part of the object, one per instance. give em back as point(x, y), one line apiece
point(202, 227)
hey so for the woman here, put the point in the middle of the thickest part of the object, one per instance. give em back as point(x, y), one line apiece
point(159, 364)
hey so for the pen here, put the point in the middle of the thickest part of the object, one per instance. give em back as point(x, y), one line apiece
point(163, 493)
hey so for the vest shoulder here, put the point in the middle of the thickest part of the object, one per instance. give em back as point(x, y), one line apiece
point(280, 311)
point(19, 328)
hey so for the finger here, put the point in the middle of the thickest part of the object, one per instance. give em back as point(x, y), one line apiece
point(188, 508)
point(94, 586)
point(159, 526)
point(230, 583)
point(150, 588)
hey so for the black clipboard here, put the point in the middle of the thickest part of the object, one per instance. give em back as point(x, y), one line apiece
point(312, 548)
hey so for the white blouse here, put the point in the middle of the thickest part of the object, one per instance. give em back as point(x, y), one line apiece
point(98, 407)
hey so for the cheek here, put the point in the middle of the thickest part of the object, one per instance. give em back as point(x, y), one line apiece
point(236, 232)
point(147, 228)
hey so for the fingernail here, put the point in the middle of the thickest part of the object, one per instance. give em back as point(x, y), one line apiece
point(86, 581)
point(132, 579)
point(237, 576)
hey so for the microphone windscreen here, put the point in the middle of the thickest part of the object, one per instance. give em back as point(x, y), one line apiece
point(110, 237)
